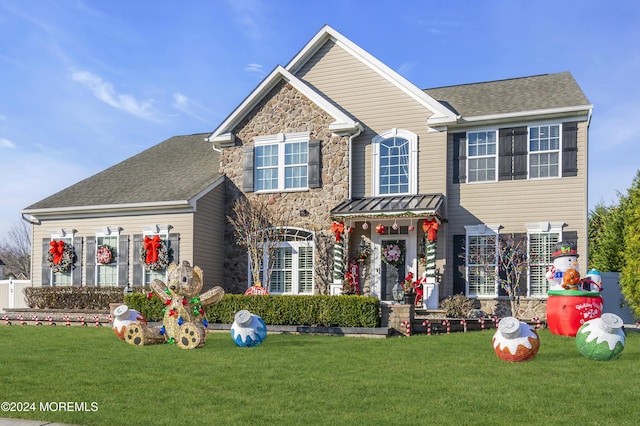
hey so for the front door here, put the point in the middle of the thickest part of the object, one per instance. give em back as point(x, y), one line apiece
point(385, 276)
point(390, 275)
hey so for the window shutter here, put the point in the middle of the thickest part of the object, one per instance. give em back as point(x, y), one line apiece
point(123, 260)
point(247, 169)
point(46, 271)
point(505, 157)
point(459, 273)
point(90, 261)
point(138, 272)
point(174, 248)
point(459, 157)
point(520, 152)
point(314, 165)
point(77, 266)
point(569, 149)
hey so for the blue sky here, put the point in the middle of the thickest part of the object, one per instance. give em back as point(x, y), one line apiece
point(86, 84)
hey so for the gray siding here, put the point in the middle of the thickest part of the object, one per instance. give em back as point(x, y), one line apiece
point(208, 241)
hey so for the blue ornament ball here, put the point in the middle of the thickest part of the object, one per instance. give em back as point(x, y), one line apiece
point(248, 329)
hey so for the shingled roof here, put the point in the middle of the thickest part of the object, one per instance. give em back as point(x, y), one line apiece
point(177, 169)
point(540, 92)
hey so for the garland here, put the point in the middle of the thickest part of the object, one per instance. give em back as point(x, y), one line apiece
point(61, 256)
point(154, 253)
point(104, 255)
point(393, 253)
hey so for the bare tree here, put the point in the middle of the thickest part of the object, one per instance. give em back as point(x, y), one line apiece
point(506, 266)
point(15, 249)
point(259, 229)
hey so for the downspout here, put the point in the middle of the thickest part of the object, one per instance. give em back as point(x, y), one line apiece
point(351, 138)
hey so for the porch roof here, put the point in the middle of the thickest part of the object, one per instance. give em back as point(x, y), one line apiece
point(398, 205)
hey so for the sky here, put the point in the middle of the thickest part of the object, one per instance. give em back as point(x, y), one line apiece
point(85, 84)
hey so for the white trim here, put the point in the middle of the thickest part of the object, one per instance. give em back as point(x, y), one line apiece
point(412, 138)
point(496, 165)
point(509, 115)
point(343, 124)
point(281, 140)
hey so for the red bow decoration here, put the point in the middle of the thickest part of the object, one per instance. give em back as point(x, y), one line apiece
point(57, 250)
point(430, 227)
point(151, 245)
point(337, 228)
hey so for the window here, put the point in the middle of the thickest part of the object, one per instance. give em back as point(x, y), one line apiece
point(150, 275)
point(481, 156)
point(395, 163)
point(542, 237)
point(281, 162)
point(60, 279)
point(481, 260)
point(107, 274)
point(292, 266)
point(544, 151)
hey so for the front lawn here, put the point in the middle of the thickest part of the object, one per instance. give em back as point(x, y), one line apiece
point(303, 379)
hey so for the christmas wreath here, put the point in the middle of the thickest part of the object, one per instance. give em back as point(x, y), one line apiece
point(154, 253)
point(393, 253)
point(61, 256)
point(104, 255)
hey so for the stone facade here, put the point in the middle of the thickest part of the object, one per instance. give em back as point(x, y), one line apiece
point(529, 308)
point(285, 110)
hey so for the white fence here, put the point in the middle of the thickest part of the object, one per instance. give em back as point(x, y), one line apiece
point(11, 294)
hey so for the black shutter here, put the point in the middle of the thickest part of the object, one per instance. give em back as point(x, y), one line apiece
point(520, 152)
point(90, 261)
point(174, 248)
point(571, 236)
point(77, 266)
point(459, 269)
point(123, 260)
point(247, 169)
point(569, 149)
point(505, 154)
point(138, 271)
point(459, 157)
point(46, 271)
point(314, 166)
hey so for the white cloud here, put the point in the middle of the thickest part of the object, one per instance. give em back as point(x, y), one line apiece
point(255, 69)
point(191, 108)
point(6, 143)
point(104, 91)
point(245, 13)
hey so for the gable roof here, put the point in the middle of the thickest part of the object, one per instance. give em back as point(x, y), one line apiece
point(440, 114)
point(538, 94)
point(171, 173)
point(343, 122)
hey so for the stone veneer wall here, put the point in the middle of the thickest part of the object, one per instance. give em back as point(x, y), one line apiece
point(285, 110)
point(529, 308)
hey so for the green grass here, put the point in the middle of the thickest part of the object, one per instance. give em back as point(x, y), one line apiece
point(303, 379)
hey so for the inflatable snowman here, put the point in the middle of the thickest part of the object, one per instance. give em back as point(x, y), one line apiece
point(565, 258)
point(592, 281)
point(568, 305)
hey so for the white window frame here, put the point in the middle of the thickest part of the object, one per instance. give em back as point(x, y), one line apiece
point(537, 229)
point(107, 233)
point(67, 236)
point(484, 156)
point(163, 232)
point(545, 152)
point(281, 140)
point(412, 138)
point(481, 230)
point(295, 238)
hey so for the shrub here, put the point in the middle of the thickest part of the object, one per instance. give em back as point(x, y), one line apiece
point(326, 311)
point(95, 298)
point(457, 306)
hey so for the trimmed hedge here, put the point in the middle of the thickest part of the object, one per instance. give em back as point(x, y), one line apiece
point(94, 298)
point(319, 311)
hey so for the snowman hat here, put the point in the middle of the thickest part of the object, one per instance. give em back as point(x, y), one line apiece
point(595, 273)
point(563, 249)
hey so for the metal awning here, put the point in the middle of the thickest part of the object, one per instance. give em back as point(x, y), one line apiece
point(399, 205)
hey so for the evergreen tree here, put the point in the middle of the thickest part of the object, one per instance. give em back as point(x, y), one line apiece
point(630, 274)
point(606, 227)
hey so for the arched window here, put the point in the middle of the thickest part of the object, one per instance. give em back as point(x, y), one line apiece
point(395, 160)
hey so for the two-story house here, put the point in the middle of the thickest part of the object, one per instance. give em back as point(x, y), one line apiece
point(337, 136)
